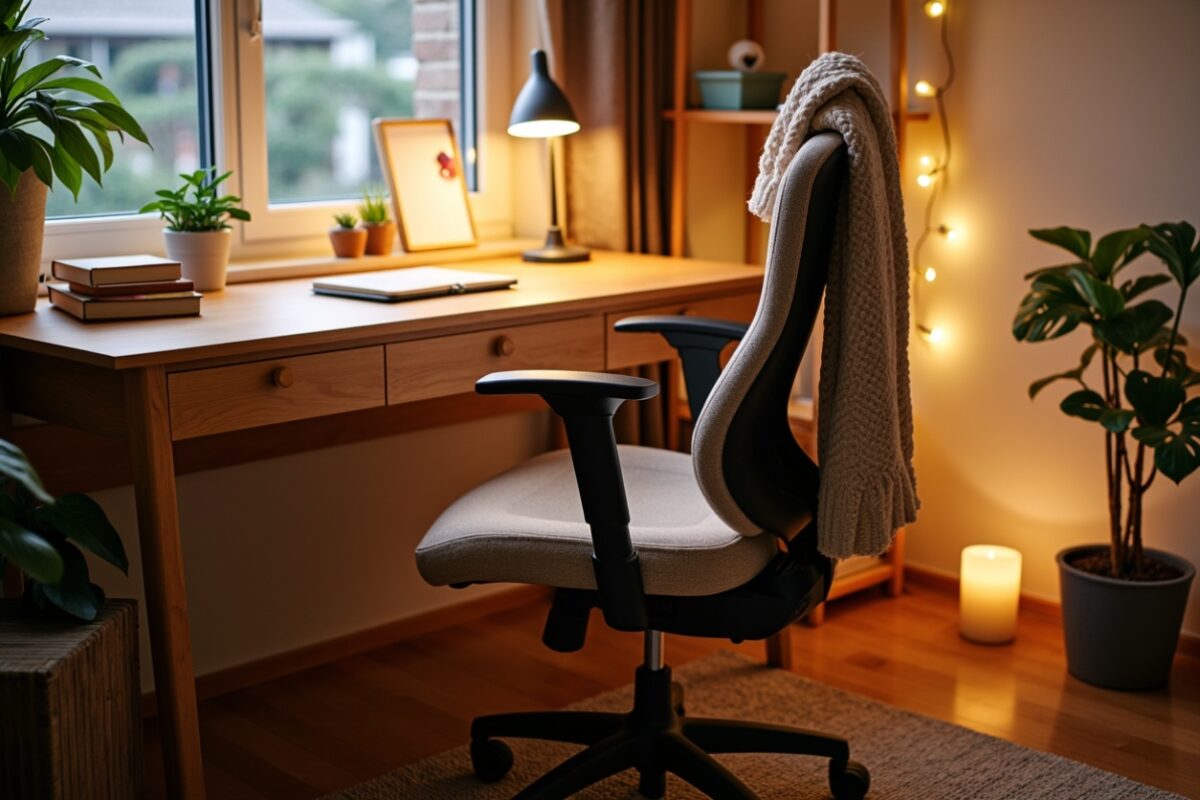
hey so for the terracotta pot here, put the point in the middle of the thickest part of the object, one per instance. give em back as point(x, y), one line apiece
point(381, 236)
point(22, 220)
point(348, 242)
point(203, 255)
point(1121, 634)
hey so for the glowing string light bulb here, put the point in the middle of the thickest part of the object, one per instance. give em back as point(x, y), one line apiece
point(951, 234)
point(924, 88)
point(937, 334)
point(930, 274)
point(926, 179)
point(935, 8)
point(926, 162)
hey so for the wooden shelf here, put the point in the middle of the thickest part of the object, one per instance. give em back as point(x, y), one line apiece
point(765, 116)
point(758, 117)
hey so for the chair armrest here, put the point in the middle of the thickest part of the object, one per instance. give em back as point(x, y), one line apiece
point(699, 341)
point(681, 323)
point(586, 401)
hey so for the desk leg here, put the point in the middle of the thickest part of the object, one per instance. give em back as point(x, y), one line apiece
point(162, 574)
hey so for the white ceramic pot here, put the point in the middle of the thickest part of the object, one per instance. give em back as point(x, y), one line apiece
point(203, 254)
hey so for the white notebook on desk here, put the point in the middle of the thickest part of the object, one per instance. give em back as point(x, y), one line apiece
point(394, 285)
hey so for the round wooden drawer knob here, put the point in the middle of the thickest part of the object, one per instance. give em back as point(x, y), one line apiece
point(283, 377)
point(504, 346)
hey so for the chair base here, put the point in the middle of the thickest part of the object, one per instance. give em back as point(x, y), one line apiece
point(654, 738)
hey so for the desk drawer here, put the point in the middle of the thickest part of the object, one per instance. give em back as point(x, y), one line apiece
point(240, 396)
point(449, 365)
point(633, 349)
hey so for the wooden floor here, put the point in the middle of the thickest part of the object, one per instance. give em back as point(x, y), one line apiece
point(337, 725)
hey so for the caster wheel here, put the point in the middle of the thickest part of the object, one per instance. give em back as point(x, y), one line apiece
point(491, 759)
point(848, 781)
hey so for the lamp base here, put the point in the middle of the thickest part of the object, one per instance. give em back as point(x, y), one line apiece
point(556, 250)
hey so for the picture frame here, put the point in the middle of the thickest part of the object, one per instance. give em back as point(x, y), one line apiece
point(425, 176)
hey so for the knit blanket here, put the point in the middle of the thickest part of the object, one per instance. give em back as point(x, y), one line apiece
point(864, 419)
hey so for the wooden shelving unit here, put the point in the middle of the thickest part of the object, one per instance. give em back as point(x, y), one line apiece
point(854, 575)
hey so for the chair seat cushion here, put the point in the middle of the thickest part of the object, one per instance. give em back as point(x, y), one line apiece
point(526, 526)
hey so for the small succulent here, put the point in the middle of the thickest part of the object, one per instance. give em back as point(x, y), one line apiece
point(345, 221)
point(373, 209)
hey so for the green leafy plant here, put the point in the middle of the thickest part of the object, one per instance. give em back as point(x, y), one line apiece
point(373, 210)
point(345, 221)
point(44, 119)
point(1141, 401)
point(205, 211)
point(42, 537)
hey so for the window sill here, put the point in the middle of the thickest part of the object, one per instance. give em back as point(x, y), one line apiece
point(279, 268)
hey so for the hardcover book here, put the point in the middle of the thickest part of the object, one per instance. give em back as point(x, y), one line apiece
point(115, 269)
point(177, 304)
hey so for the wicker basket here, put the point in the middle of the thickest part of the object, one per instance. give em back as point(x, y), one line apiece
point(70, 717)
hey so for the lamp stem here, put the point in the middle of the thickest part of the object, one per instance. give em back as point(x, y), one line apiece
point(553, 183)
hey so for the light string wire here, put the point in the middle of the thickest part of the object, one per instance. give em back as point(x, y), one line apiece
point(940, 168)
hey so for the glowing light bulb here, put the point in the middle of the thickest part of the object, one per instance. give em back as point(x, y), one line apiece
point(935, 8)
point(925, 180)
point(924, 88)
point(936, 334)
point(926, 162)
point(951, 234)
point(930, 274)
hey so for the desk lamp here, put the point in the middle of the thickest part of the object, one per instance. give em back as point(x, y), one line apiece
point(542, 111)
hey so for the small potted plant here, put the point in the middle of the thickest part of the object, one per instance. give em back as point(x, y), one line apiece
point(381, 231)
point(348, 241)
point(42, 536)
point(43, 134)
point(1123, 604)
point(198, 234)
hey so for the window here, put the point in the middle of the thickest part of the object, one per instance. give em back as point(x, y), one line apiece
point(371, 58)
point(282, 92)
point(146, 50)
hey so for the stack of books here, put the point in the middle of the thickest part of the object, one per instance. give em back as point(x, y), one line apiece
point(122, 287)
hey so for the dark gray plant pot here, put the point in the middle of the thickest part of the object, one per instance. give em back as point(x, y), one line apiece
point(1121, 634)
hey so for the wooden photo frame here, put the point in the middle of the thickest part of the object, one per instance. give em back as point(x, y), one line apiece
point(425, 175)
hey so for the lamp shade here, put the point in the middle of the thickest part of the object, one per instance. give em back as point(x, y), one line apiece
point(542, 109)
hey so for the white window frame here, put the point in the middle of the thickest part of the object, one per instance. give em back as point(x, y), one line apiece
point(279, 231)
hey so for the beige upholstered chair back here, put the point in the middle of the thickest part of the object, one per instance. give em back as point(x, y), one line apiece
point(748, 464)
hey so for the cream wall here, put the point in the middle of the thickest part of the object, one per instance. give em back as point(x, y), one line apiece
point(287, 552)
point(1077, 113)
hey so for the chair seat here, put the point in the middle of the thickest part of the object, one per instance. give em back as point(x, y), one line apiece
point(526, 526)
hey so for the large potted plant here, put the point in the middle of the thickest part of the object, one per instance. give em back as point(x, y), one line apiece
point(42, 535)
point(1123, 604)
point(45, 119)
point(198, 235)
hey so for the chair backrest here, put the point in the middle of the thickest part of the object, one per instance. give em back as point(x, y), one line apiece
point(748, 464)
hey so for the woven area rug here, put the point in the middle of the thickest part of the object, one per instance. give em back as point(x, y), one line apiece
point(911, 757)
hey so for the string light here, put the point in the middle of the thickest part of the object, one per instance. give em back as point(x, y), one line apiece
point(934, 335)
point(934, 167)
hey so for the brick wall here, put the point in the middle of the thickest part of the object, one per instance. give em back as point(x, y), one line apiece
point(435, 27)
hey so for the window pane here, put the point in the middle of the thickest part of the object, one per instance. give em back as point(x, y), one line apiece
point(333, 65)
point(146, 50)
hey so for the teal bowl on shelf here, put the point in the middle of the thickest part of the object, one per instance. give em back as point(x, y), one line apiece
point(732, 90)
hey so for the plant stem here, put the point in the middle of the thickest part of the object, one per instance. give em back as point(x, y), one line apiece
point(1174, 330)
point(1113, 472)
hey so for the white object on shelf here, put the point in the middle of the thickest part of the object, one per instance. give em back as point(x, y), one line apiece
point(989, 593)
point(746, 55)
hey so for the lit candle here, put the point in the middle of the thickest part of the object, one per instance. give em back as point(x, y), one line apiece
point(989, 591)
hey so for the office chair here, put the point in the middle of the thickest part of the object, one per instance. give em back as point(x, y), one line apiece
point(717, 544)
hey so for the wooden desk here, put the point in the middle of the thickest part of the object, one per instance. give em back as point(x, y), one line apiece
point(273, 352)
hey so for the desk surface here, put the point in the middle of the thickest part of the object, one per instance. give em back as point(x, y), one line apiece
point(259, 317)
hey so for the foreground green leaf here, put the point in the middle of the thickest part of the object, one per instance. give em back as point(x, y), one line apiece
point(30, 551)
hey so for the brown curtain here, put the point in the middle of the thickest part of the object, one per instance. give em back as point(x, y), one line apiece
point(613, 58)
